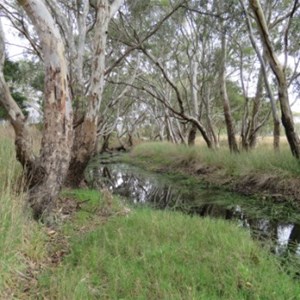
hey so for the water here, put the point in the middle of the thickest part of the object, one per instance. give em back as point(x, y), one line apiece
point(140, 187)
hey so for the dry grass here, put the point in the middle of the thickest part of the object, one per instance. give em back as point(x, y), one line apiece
point(262, 160)
point(7, 133)
point(262, 141)
point(21, 240)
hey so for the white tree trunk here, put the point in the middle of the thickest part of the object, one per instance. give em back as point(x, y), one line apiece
point(86, 134)
point(57, 140)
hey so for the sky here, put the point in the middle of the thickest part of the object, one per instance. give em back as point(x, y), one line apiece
point(14, 45)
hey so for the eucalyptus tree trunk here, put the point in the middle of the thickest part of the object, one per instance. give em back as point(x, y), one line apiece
point(46, 173)
point(86, 132)
point(224, 97)
point(105, 143)
point(171, 135)
point(181, 130)
point(251, 124)
point(253, 129)
point(245, 126)
point(194, 93)
point(192, 135)
point(262, 58)
point(279, 72)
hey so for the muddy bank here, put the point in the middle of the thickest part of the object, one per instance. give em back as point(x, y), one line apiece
point(263, 185)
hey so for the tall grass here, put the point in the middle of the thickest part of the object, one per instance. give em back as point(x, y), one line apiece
point(20, 238)
point(263, 159)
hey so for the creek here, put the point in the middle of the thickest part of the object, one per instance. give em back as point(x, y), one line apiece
point(277, 224)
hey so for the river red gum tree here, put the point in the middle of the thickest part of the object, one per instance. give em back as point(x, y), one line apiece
point(46, 173)
point(88, 103)
point(86, 133)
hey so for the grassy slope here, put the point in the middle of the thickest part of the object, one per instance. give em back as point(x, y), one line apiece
point(261, 160)
point(161, 255)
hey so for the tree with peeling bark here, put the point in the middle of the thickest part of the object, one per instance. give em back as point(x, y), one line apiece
point(85, 141)
point(45, 174)
point(88, 90)
point(92, 19)
point(83, 26)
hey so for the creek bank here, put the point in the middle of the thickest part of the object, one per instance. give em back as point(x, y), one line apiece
point(105, 248)
point(150, 254)
point(262, 185)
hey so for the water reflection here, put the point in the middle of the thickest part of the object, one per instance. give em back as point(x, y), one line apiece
point(140, 188)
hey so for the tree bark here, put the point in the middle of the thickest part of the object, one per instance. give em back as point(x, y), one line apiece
point(105, 143)
point(279, 72)
point(245, 125)
point(57, 138)
point(86, 133)
point(223, 94)
point(262, 58)
point(192, 135)
point(255, 111)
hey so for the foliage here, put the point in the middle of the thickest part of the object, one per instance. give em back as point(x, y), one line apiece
point(21, 76)
point(12, 73)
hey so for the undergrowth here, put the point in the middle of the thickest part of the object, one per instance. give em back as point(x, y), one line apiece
point(21, 240)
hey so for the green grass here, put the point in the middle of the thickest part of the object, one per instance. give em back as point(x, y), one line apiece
point(145, 254)
point(167, 255)
point(174, 157)
point(21, 240)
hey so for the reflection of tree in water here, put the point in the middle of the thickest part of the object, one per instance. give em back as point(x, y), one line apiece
point(139, 189)
point(263, 229)
point(294, 239)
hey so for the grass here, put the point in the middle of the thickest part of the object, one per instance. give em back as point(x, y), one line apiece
point(162, 255)
point(263, 159)
point(145, 254)
point(21, 240)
